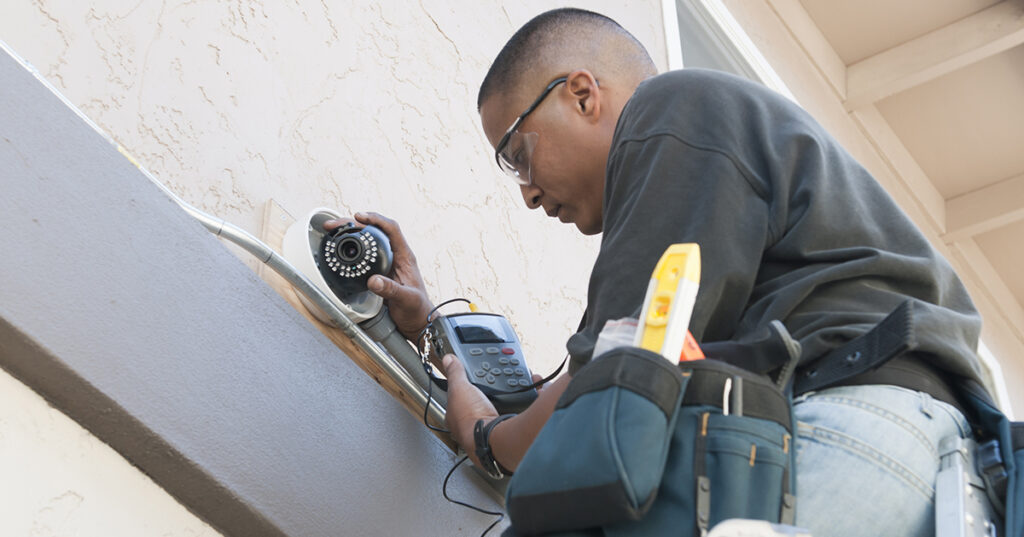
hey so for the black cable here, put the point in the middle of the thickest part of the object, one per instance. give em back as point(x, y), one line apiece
point(430, 391)
point(444, 491)
point(426, 363)
point(545, 380)
point(445, 303)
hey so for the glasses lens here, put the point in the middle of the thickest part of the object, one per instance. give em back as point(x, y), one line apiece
point(514, 158)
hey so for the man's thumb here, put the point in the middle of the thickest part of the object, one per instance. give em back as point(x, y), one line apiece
point(383, 286)
point(452, 367)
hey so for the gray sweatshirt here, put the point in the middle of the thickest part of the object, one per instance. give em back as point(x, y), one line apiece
point(790, 226)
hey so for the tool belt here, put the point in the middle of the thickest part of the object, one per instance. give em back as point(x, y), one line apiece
point(637, 446)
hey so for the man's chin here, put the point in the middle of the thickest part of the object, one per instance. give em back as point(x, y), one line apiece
point(588, 229)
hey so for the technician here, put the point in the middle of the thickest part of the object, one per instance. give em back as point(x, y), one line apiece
point(790, 228)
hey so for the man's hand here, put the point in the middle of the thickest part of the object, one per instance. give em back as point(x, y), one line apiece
point(404, 291)
point(466, 405)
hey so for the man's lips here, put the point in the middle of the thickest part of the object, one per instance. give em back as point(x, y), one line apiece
point(553, 212)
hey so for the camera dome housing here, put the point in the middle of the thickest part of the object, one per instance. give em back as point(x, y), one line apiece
point(348, 256)
point(302, 247)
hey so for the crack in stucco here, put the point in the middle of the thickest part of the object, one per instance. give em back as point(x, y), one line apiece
point(236, 15)
point(440, 31)
point(54, 69)
point(52, 518)
point(216, 52)
point(330, 22)
point(118, 56)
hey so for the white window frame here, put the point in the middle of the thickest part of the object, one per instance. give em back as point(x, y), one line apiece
point(727, 33)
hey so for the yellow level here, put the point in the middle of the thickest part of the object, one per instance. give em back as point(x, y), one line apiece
point(668, 305)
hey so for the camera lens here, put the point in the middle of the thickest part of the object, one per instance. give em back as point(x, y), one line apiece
point(349, 249)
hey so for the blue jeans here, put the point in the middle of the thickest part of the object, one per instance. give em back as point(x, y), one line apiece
point(867, 458)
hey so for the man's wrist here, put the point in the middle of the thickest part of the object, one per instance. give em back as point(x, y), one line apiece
point(482, 446)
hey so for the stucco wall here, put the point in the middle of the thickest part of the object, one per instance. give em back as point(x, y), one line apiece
point(59, 479)
point(357, 106)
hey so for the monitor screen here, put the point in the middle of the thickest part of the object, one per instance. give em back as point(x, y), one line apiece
point(480, 329)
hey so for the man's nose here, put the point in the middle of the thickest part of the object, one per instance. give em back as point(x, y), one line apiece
point(531, 195)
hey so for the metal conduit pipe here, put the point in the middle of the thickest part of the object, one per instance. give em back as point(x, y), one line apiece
point(381, 328)
point(237, 235)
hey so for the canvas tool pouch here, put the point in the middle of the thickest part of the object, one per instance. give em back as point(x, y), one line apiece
point(999, 458)
point(599, 458)
point(638, 446)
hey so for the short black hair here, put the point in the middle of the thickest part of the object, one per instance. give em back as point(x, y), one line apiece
point(524, 47)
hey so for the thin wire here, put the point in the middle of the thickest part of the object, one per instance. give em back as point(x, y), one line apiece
point(445, 303)
point(430, 391)
point(444, 491)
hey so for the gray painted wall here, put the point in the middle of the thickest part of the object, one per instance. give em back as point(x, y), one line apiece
point(135, 321)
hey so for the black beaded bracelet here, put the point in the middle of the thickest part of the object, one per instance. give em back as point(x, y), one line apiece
point(482, 441)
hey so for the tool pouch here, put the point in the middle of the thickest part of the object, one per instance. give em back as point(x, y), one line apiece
point(600, 457)
point(999, 456)
point(637, 446)
point(732, 454)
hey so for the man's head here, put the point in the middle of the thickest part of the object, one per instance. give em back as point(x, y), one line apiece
point(560, 145)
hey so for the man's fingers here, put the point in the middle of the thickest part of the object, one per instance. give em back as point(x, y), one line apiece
point(387, 225)
point(363, 219)
point(537, 378)
point(376, 219)
point(331, 225)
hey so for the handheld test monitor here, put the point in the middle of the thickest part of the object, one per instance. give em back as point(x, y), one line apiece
point(491, 354)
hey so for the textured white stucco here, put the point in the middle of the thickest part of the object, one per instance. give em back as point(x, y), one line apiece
point(357, 106)
point(58, 479)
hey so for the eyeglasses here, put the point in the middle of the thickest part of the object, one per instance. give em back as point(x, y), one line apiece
point(514, 150)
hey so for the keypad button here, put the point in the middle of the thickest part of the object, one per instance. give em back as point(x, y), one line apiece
point(520, 371)
point(503, 360)
point(492, 350)
point(495, 371)
point(509, 371)
point(508, 350)
point(514, 361)
point(512, 382)
point(480, 372)
point(490, 379)
point(524, 382)
point(476, 352)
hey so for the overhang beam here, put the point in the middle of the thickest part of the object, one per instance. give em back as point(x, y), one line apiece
point(969, 40)
point(983, 210)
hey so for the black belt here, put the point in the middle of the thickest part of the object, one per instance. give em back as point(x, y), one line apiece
point(880, 356)
point(910, 371)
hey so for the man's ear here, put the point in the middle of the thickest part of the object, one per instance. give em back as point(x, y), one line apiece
point(585, 93)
